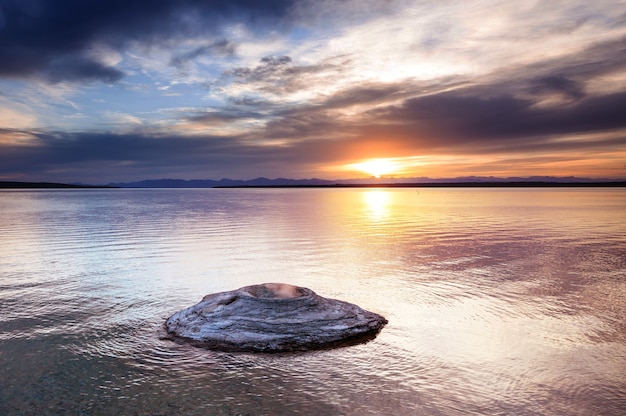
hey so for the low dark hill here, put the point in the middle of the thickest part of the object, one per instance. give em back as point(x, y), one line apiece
point(44, 185)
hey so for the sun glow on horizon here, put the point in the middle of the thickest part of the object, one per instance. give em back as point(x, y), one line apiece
point(377, 167)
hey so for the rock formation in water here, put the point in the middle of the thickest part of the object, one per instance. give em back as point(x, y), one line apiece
point(273, 317)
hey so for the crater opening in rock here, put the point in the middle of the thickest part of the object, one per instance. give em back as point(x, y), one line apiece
point(275, 290)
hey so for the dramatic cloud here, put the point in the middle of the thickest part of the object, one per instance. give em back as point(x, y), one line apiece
point(467, 117)
point(53, 38)
point(112, 91)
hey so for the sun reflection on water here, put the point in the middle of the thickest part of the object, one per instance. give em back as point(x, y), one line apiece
point(377, 203)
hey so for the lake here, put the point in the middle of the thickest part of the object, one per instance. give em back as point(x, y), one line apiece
point(507, 301)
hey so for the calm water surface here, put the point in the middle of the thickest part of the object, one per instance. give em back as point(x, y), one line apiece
point(499, 301)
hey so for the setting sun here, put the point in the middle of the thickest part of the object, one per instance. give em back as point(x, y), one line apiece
point(377, 167)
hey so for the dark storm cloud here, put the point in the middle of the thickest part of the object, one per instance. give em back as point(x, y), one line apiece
point(52, 38)
point(75, 68)
point(561, 84)
point(464, 116)
point(461, 123)
point(568, 73)
point(54, 151)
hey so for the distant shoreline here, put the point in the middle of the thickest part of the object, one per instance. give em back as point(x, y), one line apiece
point(47, 185)
point(515, 184)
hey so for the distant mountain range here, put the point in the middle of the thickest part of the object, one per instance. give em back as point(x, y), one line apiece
point(209, 183)
point(422, 181)
point(466, 181)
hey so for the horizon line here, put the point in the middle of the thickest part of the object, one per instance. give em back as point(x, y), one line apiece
point(443, 183)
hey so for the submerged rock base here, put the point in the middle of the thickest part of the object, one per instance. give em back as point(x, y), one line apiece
point(273, 317)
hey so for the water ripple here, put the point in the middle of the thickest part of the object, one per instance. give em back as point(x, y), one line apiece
point(498, 301)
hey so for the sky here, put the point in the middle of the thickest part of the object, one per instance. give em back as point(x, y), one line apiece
point(112, 91)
